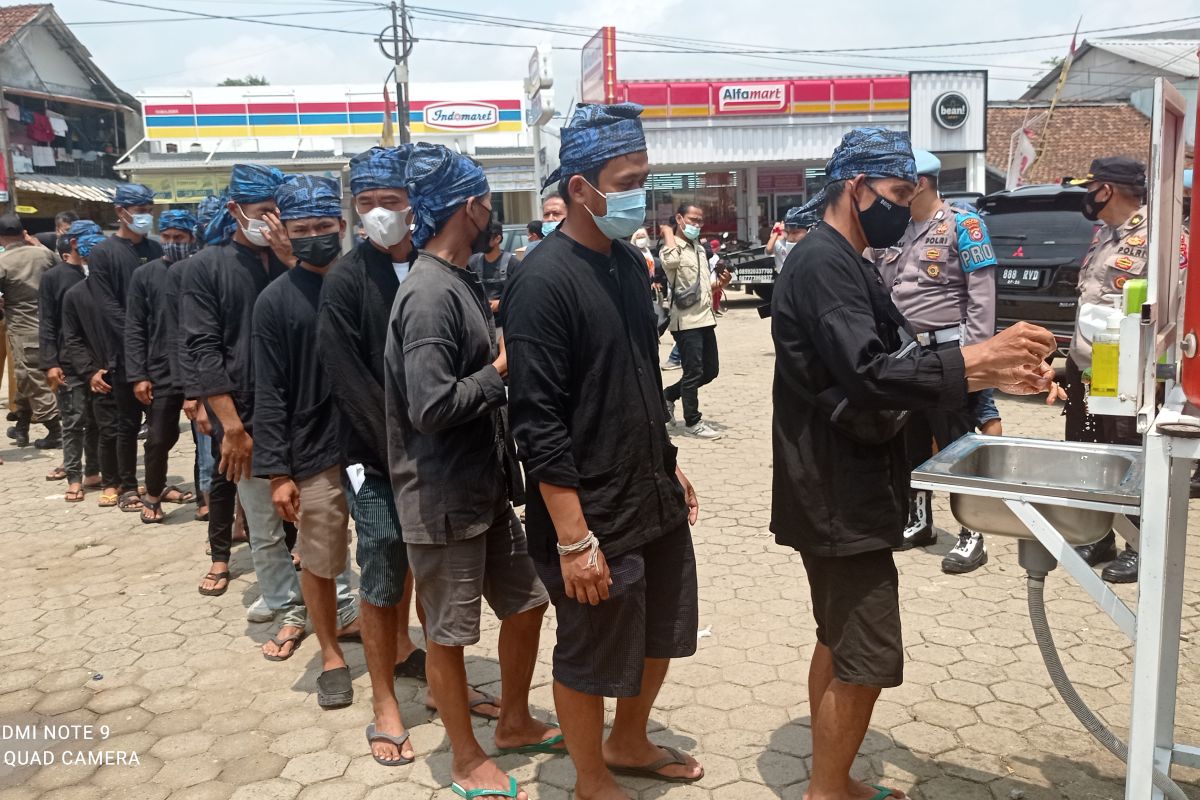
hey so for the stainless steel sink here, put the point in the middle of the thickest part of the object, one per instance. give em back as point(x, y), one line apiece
point(1081, 487)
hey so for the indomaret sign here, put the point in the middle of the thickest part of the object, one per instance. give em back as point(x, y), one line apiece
point(751, 97)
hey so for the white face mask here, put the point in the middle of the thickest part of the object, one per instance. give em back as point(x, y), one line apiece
point(255, 230)
point(641, 242)
point(384, 226)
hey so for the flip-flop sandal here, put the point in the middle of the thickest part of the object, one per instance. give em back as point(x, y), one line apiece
point(334, 689)
point(74, 496)
point(411, 667)
point(130, 502)
point(377, 736)
point(56, 474)
point(183, 497)
point(651, 770)
point(296, 638)
point(884, 792)
point(548, 746)
point(109, 500)
point(216, 591)
point(471, 794)
point(154, 508)
point(484, 699)
point(201, 516)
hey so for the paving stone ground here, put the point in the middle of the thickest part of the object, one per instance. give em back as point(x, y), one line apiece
point(100, 624)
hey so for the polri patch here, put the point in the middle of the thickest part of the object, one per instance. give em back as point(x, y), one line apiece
point(1120, 282)
point(1124, 262)
point(933, 254)
point(933, 270)
point(1136, 241)
point(941, 229)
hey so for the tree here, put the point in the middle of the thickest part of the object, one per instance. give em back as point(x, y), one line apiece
point(249, 80)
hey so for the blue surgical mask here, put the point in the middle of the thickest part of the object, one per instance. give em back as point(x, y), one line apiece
point(548, 226)
point(141, 223)
point(626, 213)
point(691, 231)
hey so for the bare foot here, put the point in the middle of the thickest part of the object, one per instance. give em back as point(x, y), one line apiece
point(646, 752)
point(613, 791)
point(531, 732)
point(857, 790)
point(91, 482)
point(485, 775)
point(285, 650)
point(387, 720)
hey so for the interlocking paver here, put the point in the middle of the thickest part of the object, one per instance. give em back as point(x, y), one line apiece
point(86, 591)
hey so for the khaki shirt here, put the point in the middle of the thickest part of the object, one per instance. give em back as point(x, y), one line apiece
point(940, 277)
point(1115, 256)
point(21, 268)
point(683, 263)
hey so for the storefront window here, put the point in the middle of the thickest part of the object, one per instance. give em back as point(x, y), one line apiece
point(715, 192)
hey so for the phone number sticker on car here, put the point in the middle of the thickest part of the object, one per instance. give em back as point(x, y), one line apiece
point(1024, 278)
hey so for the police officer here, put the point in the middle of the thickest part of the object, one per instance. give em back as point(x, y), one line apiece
point(941, 282)
point(1116, 198)
point(796, 224)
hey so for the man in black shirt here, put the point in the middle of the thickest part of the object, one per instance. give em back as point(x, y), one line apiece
point(609, 518)
point(351, 334)
point(449, 460)
point(220, 285)
point(83, 355)
point(112, 264)
point(493, 267)
point(296, 426)
point(80, 455)
point(151, 351)
point(840, 489)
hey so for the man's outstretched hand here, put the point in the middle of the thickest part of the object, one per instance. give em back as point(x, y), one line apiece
point(1013, 361)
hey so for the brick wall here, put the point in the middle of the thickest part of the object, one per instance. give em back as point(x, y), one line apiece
point(1076, 135)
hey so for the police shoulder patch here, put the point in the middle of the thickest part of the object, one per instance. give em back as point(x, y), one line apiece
point(1136, 219)
point(974, 247)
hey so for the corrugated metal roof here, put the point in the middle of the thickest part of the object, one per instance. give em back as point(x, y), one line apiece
point(92, 190)
point(1177, 56)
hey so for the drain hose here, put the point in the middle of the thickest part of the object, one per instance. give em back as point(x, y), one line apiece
point(1058, 676)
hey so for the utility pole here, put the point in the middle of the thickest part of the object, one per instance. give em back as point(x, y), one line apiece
point(402, 44)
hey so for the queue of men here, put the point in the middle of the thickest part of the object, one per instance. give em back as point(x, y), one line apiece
point(378, 385)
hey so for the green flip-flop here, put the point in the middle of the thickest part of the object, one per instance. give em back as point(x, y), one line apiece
point(471, 794)
point(884, 792)
point(546, 746)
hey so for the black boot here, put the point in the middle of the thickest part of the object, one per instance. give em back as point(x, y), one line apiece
point(1124, 569)
point(53, 438)
point(19, 433)
point(1099, 552)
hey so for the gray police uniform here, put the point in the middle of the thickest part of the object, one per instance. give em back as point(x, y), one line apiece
point(942, 285)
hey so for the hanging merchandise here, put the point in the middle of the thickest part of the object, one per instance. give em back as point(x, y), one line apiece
point(61, 154)
point(40, 129)
point(26, 116)
point(43, 156)
point(57, 122)
point(21, 162)
point(12, 110)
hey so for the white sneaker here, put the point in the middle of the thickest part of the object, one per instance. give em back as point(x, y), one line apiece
point(671, 421)
point(670, 365)
point(702, 431)
point(258, 612)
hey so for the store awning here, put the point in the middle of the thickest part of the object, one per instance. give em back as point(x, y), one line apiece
point(91, 190)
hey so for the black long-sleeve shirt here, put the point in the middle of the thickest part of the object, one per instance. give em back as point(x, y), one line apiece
point(152, 327)
point(443, 399)
point(216, 307)
point(55, 283)
point(296, 425)
point(84, 335)
point(586, 397)
point(352, 325)
point(834, 325)
point(110, 268)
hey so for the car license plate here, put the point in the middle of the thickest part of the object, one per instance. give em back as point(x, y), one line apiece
point(1021, 277)
point(757, 275)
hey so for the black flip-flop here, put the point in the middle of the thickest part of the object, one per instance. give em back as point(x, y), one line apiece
point(182, 499)
point(412, 667)
point(130, 502)
point(155, 508)
point(57, 474)
point(334, 688)
point(377, 736)
point(652, 770)
point(220, 590)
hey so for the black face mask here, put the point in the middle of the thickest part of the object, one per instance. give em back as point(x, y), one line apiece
point(1092, 207)
point(482, 242)
point(883, 221)
point(320, 251)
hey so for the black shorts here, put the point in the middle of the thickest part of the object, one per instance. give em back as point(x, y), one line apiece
point(652, 612)
point(856, 603)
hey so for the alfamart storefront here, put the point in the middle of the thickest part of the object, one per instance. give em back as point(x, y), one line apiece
point(748, 150)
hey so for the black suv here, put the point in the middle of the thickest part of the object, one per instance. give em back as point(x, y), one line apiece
point(1040, 238)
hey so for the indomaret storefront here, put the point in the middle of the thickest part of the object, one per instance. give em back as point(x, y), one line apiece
point(748, 150)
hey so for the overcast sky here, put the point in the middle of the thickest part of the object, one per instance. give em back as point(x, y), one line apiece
point(144, 52)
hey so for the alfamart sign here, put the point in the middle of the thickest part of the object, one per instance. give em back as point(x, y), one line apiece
point(751, 97)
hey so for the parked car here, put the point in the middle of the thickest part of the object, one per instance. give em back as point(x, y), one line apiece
point(968, 200)
point(1040, 238)
point(515, 238)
